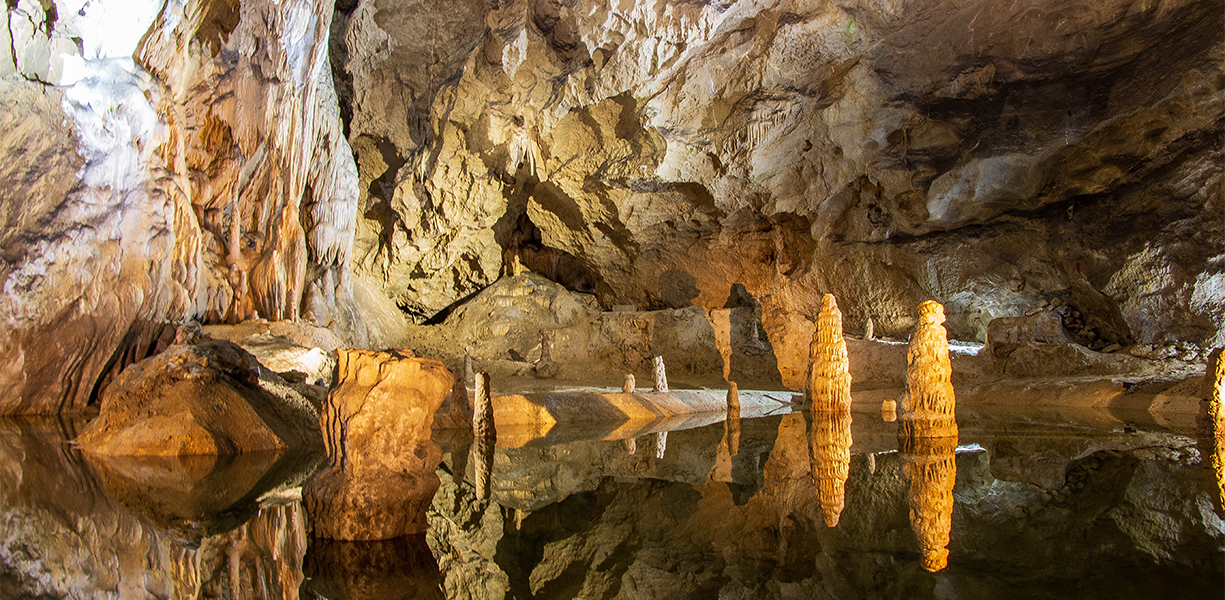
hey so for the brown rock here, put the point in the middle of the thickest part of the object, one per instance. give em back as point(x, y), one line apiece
point(928, 403)
point(210, 398)
point(829, 377)
point(380, 478)
point(931, 466)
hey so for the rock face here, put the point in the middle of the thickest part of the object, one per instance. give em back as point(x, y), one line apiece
point(376, 424)
point(208, 398)
point(829, 375)
point(928, 405)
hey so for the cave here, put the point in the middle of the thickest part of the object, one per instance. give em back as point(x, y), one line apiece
point(374, 299)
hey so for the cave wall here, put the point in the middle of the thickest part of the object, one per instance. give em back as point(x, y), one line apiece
point(222, 159)
point(657, 153)
point(163, 161)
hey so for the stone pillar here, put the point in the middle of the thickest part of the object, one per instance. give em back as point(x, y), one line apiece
point(482, 415)
point(732, 424)
point(831, 461)
point(928, 405)
point(376, 422)
point(930, 465)
point(628, 386)
point(829, 375)
point(661, 444)
point(661, 377)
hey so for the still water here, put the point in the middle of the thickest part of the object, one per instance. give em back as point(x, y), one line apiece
point(1034, 505)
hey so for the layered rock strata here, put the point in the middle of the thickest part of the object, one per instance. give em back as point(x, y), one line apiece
point(928, 404)
point(380, 477)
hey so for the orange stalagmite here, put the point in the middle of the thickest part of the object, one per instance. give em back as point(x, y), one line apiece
point(928, 404)
point(829, 374)
point(1211, 421)
point(930, 463)
point(831, 461)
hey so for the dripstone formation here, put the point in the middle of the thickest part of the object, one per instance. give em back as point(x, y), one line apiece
point(379, 479)
point(831, 461)
point(829, 375)
point(930, 464)
point(928, 404)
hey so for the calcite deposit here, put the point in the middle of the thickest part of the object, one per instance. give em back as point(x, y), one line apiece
point(928, 405)
point(829, 375)
point(930, 465)
point(379, 477)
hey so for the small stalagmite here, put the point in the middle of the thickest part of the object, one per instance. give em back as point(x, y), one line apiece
point(661, 377)
point(831, 461)
point(482, 414)
point(545, 368)
point(888, 411)
point(732, 424)
point(661, 444)
point(928, 404)
point(380, 478)
point(930, 464)
point(628, 386)
point(829, 375)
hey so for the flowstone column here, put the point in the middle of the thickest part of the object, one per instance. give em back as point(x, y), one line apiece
point(928, 405)
point(829, 375)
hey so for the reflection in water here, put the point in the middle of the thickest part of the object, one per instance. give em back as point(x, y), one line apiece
point(661, 444)
point(930, 465)
point(394, 569)
point(482, 462)
point(831, 461)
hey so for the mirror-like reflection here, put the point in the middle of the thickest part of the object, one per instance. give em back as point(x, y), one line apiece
point(1041, 506)
point(831, 461)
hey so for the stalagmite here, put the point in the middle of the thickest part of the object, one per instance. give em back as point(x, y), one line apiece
point(733, 400)
point(829, 376)
point(661, 378)
point(732, 424)
point(930, 464)
point(888, 411)
point(928, 404)
point(631, 445)
point(661, 444)
point(628, 387)
point(482, 414)
point(545, 368)
point(469, 372)
point(868, 329)
point(831, 461)
point(380, 478)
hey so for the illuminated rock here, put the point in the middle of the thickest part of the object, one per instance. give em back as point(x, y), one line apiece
point(829, 377)
point(483, 426)
point(1211, 418)
point(661, 376)
point(732, 424)
point(888, 411)
point(928, 404)
point(628, 386)
point(831, 461)
point(376, 423)
point(930, 465)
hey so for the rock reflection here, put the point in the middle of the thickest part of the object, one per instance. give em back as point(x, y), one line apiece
point(930, 466)
point(390, 569)
point(830, 437)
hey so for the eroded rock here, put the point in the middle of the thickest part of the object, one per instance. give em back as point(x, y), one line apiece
point(379, 478)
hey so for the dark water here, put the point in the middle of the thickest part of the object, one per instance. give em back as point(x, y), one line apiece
point(1033, 505)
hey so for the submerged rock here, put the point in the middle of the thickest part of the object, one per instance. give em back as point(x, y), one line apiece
point(380, 478)
point(209, 398)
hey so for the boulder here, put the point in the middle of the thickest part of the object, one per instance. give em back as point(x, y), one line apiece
point(208, 398)
point(379, 479)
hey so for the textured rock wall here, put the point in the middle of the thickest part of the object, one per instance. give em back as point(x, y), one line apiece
point(196, 171)
point(656, 153)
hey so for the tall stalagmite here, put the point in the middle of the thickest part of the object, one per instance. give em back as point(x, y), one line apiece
point(1211, 424)
point(930, 464)
point(829, 375)
point(928, 404)
point(831, 461)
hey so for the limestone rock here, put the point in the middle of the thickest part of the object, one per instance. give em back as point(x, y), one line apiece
point(208, 398)
point(928, 404)
point(1006, 334)
point(829, 376)
point(379, 478)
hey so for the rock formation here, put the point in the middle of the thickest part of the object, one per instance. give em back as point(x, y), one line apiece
point(379, 478)
point(830, 438)
point(483, 426)
point(392, 569)
point(829, 375)
point(930, 465)
point(545, 368)
point(928, 404)
point(456, 410)
point(661, 376)
point(628, 386)
point(732, 434)
point(1210, 423)
point(208, 398)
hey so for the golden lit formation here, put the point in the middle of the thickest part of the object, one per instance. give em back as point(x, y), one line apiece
point(829, 375)
point(928, 404)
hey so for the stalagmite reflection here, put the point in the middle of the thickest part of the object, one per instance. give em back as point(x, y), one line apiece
point(830, 440)
point(930, 465)
point(482, 462)
point(661, 444)
point(731, 426)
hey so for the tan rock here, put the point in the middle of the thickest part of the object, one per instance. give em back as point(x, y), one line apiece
point(209, 398)
point(380, 478)
point(628, 386)
point(483, 426)
point(930, 464)
point(928, 403)
point(888, 410)
point(456, 410)
point(829, 376)
point(831, 461)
